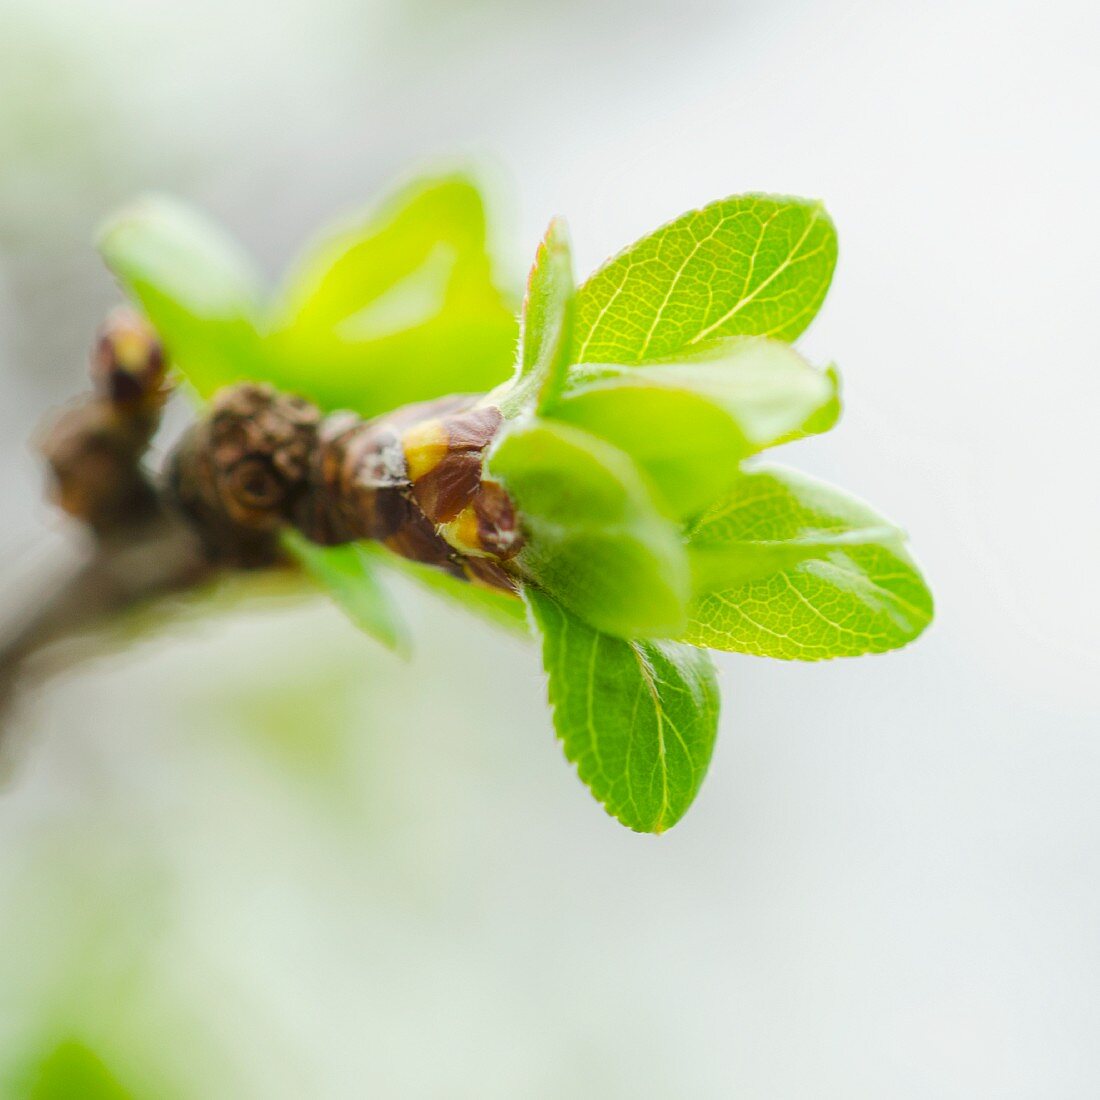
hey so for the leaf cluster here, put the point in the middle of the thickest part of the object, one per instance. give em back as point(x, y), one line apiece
point(636, 412)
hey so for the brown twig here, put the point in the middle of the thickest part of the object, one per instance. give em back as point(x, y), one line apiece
point(159, 559)
point(413, 479)
point(139, 550)
point(258, 461)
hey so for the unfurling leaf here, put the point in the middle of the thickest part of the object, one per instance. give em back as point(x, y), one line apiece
point(547, 327)
point(750, 265)
point(395, 306)
point(637, 718)
point(349, 574)
point(689, 424)
point(196, 286)
point(790, 567)
point(597, 540)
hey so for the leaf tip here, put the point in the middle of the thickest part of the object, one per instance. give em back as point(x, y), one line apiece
point(557, 232)
point(144, 208)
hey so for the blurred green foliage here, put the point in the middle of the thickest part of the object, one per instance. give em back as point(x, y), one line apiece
point(392, 306)
point(70, 1071)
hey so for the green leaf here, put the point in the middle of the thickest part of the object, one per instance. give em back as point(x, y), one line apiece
point(497, 607)
point(689, 425)
point(597, 540)
point(197, 287)
point(397, 305)
point(750, 265)
point(72, 1071)
point(790, 567)
point(825, 419)
point(348, 574)
point(637, 718)
point(547, 328)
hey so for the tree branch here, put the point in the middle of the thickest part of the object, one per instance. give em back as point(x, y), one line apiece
point(256, 462)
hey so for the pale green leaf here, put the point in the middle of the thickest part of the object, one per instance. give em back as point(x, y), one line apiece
point(790, 567)
point(396, 305)
point(596, 538)
point(547, 327)
point(637, 718)
point(349, 575)
point(196, 286)
point(689, 425)
point(750, 265)
point(825, 418)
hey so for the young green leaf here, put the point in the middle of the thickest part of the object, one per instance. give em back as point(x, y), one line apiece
point(196, 286)
point(597, 540)
point(349, 575)
point(637, 718)
point(824, 420)
point(789, 567)
point(689, 425)
point(395, 306)
point(547, 327)
point(750, 265)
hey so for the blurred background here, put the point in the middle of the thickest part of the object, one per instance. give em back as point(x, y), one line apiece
point(256, 856)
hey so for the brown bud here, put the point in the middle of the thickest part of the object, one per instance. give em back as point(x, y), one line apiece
point(445, 459)
point(127, 363)
point(95, 447)
point(498, 531)
point(360, 490)
point(244, 469)
point(411, 479)
point(488, 574)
